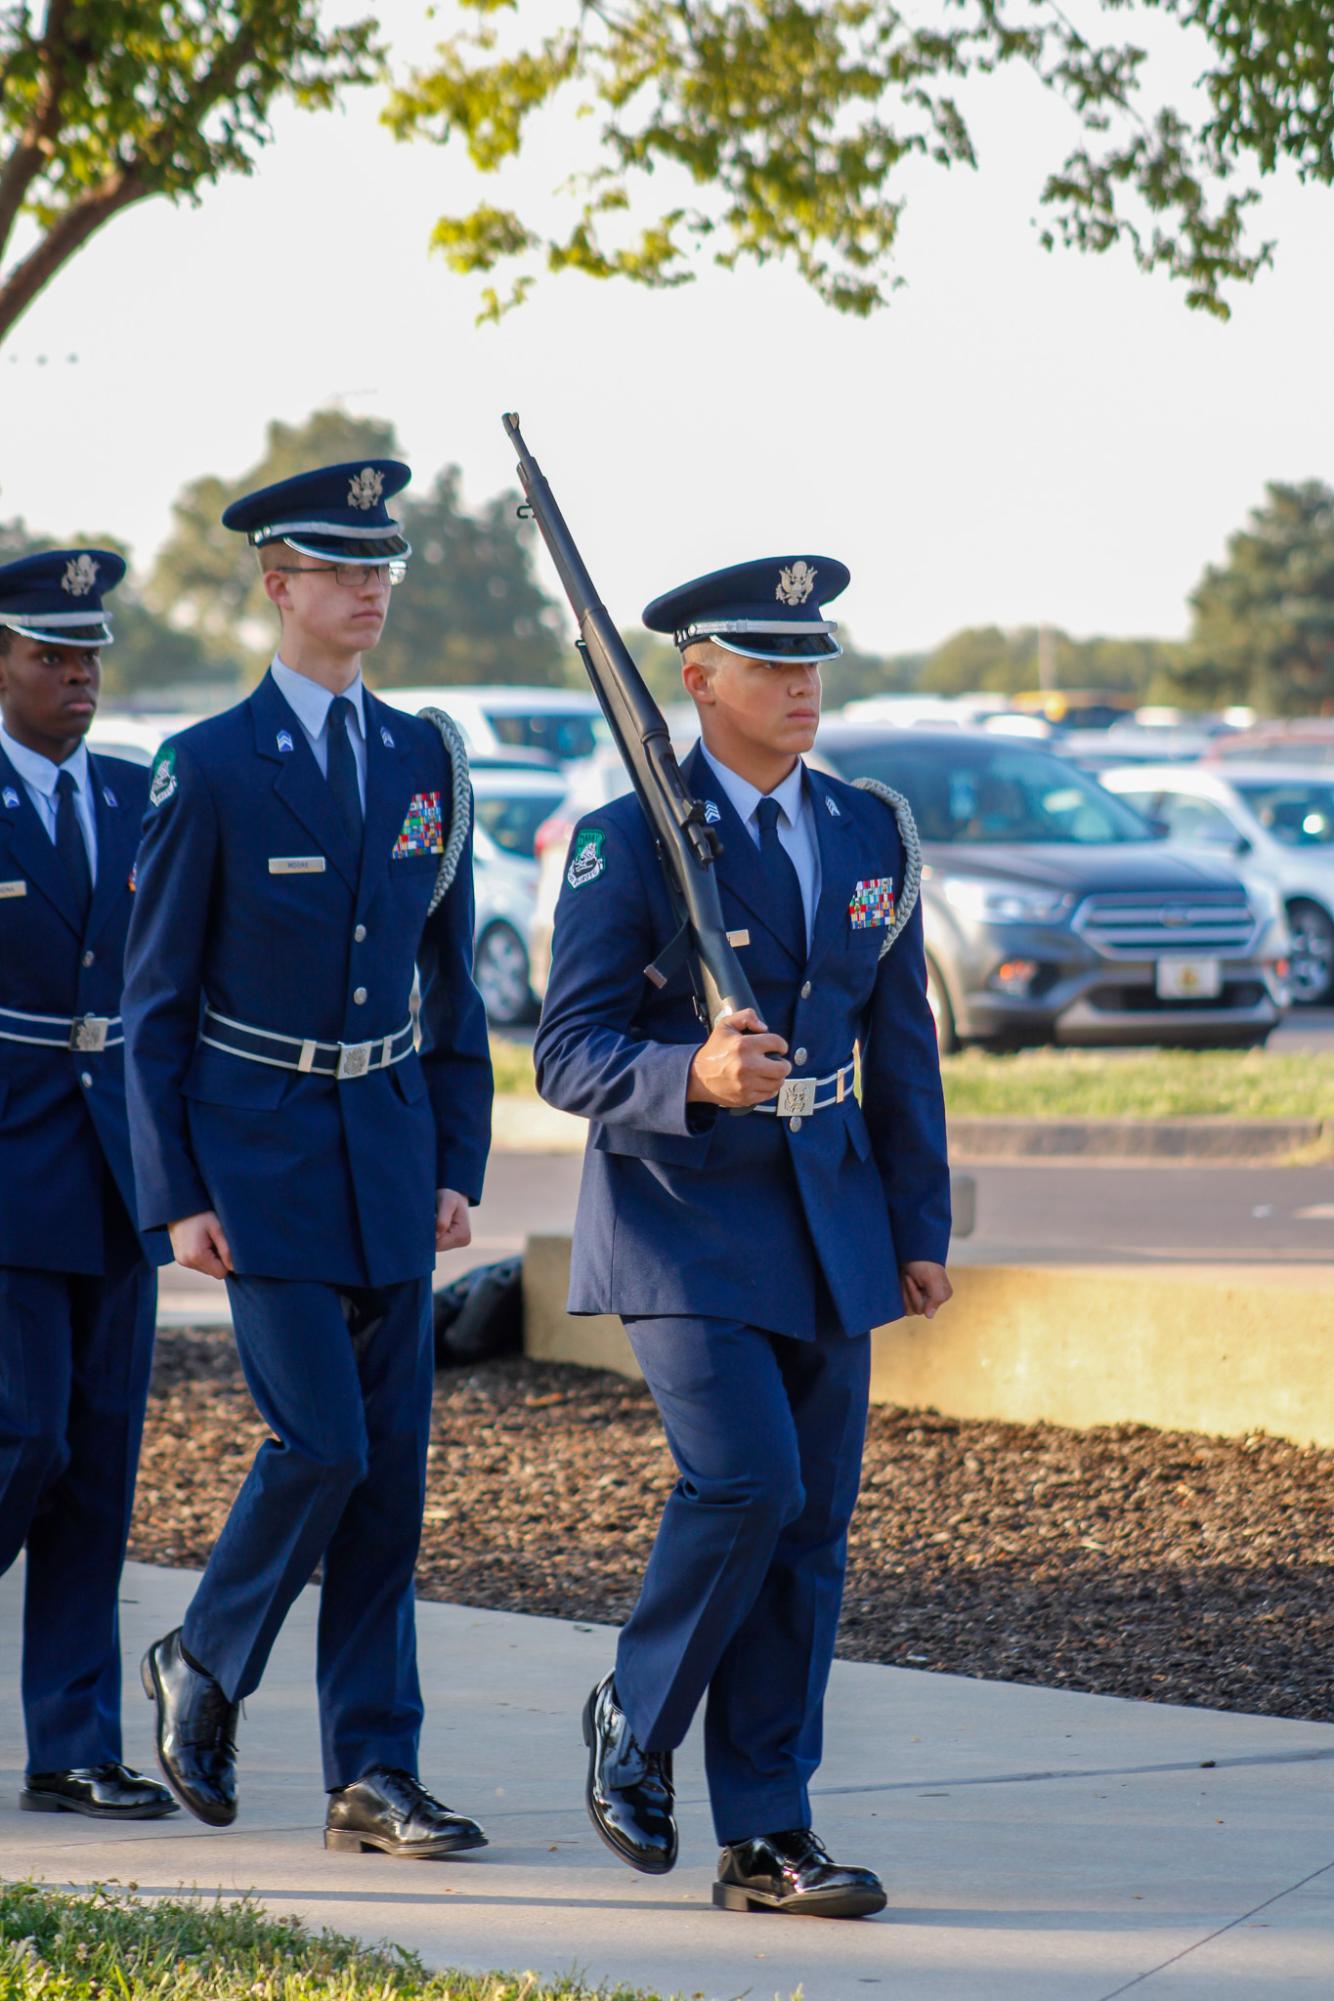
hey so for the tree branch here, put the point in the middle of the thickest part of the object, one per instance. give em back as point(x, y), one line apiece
point(29, 155)
point(65, 236)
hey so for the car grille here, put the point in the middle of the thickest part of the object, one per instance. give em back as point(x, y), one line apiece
point(1129, 925)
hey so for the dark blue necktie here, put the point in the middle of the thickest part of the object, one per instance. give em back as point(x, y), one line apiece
point(71, 846)
point(781, 880)
point(343, 767)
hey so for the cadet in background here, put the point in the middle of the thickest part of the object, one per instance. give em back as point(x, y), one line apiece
point(78, 1291)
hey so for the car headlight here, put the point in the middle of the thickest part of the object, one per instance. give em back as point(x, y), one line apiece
point(986, 900)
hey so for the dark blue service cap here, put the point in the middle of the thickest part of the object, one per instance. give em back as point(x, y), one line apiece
point(57, 595)
point(337, 513)
point(768, 610)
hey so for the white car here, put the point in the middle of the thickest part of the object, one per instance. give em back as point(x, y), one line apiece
point(509, 808)
point(137, 738)
point(562, 723)
point(1274, 824)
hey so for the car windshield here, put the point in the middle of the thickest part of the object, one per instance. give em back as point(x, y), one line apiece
point(562, 736)
point(990, 794)
point(1299, 814)
point(512, 819)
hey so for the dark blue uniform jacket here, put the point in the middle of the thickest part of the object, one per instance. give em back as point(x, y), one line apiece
point(311, 1178)
point(685, 1210)
point(61, 1139)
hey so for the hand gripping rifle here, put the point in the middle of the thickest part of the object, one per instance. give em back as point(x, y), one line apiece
point(687, 847)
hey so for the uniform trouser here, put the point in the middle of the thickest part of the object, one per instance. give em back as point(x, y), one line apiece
point(75, 1356)
point(743, 1587)
point(343, 1377)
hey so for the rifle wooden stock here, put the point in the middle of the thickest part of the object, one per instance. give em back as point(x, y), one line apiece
point(687, 847)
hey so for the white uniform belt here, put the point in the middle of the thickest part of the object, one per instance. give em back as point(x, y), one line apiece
point(87, 1033)
point(302, 1053)
point(800, 1096)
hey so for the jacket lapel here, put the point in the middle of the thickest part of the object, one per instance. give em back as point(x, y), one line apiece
point(32, 847)
point(387, 796)
point(117, 843)
point(740, 867)
point(833, 835)
point(298, 781)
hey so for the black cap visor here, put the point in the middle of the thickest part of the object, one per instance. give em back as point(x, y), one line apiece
point(775, 646)
point(345, 549)
point(94, 632)
point(333, 547)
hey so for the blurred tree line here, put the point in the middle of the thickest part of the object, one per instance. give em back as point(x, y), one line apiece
point(198, 628)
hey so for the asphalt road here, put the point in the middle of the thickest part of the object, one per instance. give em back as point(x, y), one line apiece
point(1027, 1213)
point(1305, 1028)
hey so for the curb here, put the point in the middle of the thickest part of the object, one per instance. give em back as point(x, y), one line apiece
point(1194, 1139)
point(526, 1125)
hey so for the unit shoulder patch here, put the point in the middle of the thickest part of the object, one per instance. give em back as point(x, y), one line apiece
point(164, 777)
point(587, 862)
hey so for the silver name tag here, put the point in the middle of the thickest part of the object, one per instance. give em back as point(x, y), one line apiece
point(13, 889)
point(736, 939)
point(296, 864)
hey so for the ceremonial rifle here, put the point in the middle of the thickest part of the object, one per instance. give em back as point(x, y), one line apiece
point(687, 846)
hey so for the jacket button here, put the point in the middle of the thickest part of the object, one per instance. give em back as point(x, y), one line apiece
point(359, 995)
point(794, 1125)
point(799, 1056)
point(86, 1079)
point(805, 990)
point(359, 935)
point(88, 958)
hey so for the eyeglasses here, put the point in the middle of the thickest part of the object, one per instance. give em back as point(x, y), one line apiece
point(350, 575)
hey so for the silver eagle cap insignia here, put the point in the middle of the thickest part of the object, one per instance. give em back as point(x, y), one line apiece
point(795, 583)
point(365, 489)
point(80, 576)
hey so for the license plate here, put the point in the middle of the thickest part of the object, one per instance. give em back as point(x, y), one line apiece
point(1189, 979)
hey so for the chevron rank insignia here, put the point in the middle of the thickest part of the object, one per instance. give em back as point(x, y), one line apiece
point(872, 903)
point(422, 832)
point(587, 862)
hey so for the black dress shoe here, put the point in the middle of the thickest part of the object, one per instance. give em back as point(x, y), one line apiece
point(104, 1792)
point(392, 1811)
point(794, 1872)
point(629, 1790)
point(196, 1732)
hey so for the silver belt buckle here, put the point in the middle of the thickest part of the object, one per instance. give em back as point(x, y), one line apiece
point(88, 1032)
point(354, 1059)
point(796, 1098)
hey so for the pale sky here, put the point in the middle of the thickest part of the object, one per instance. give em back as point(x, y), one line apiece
point(1018, 437)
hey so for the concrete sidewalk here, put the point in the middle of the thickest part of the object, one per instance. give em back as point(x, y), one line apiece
point(1038, 1846)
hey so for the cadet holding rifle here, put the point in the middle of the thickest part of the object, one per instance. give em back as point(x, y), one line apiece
point(747, 1217)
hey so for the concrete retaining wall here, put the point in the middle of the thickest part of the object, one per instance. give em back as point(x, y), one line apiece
point(1229, 1349)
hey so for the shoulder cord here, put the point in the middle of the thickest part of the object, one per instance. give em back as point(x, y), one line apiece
point(460, 804)
point(912, 854)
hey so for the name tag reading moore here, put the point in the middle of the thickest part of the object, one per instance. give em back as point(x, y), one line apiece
point(13, 889)
point(296, 864)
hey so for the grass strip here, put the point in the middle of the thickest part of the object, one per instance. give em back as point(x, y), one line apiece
point(1148, 1084)
point(112, 1945)
point(1094, 1084)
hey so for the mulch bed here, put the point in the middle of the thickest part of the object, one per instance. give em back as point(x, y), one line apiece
point(1160, 1565)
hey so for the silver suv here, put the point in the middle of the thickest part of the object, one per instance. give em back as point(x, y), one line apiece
point(1057, 913)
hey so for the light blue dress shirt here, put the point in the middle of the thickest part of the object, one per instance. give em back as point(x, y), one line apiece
point(796, 824)
point(39, 777)
point(312, 703)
